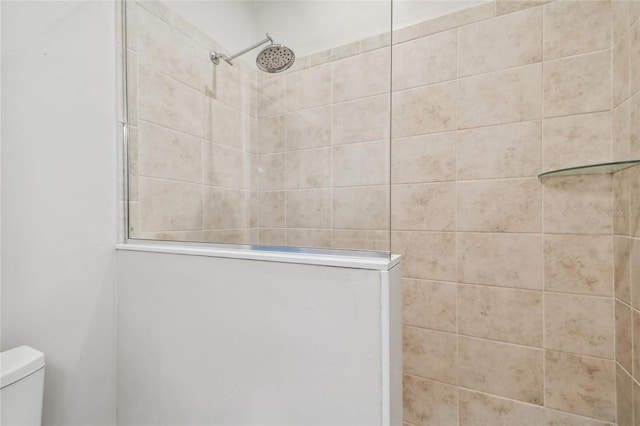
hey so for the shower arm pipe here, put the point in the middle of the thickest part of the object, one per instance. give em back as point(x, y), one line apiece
point(215, 57)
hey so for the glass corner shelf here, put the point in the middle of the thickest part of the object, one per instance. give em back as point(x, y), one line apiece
point(592, 169)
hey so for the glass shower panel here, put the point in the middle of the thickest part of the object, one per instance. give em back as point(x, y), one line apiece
point(260, 123)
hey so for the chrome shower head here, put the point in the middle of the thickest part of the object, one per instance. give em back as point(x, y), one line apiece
point(275, 58)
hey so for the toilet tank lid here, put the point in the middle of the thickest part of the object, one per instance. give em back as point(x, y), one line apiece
point(18, 363)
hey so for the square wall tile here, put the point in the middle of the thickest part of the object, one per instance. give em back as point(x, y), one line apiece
point(308, 208)
point(362, 75)
point(429, 403)
point(501, 369)
point(308, 88)
point(578, 204)
point(477, 409)
point(169, 206)
point(167, 154)
point(223, 208)
point(500, 97)
point(426, 255)
point(426, 158)
point(423, 61)
point(576, 140)
point(361, 164)
point(580, 264)
point(430, 354)
point(511, 150)
point(506, 260)
point(503, 314)
point(504, 42)
point(362, 207)
point(428, 109)
point(510, 205)
point(581, 385)
point(574, 27)
point(577, 84)
point(309, 168)
point(579, 324)
point(165, 101)
point(361, 120)
point(429, 304)
point(162, 47)
point(223, 166)
point(309, 128)
point(423, 207)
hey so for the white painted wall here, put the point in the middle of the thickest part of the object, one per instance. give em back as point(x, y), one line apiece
point(207, 340)
point(59, 200)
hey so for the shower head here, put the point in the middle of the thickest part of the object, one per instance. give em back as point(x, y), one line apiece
point(275, 58)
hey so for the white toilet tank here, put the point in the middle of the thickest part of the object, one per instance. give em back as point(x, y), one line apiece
point(21, 386)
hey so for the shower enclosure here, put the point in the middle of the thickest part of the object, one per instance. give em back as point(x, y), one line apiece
point(258, 194)
point(254, 143)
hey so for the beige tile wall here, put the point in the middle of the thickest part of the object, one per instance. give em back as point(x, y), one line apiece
point(626, 210)
point(323, 151)
point(521, 283)
point(191, 133)
point(508, 292)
